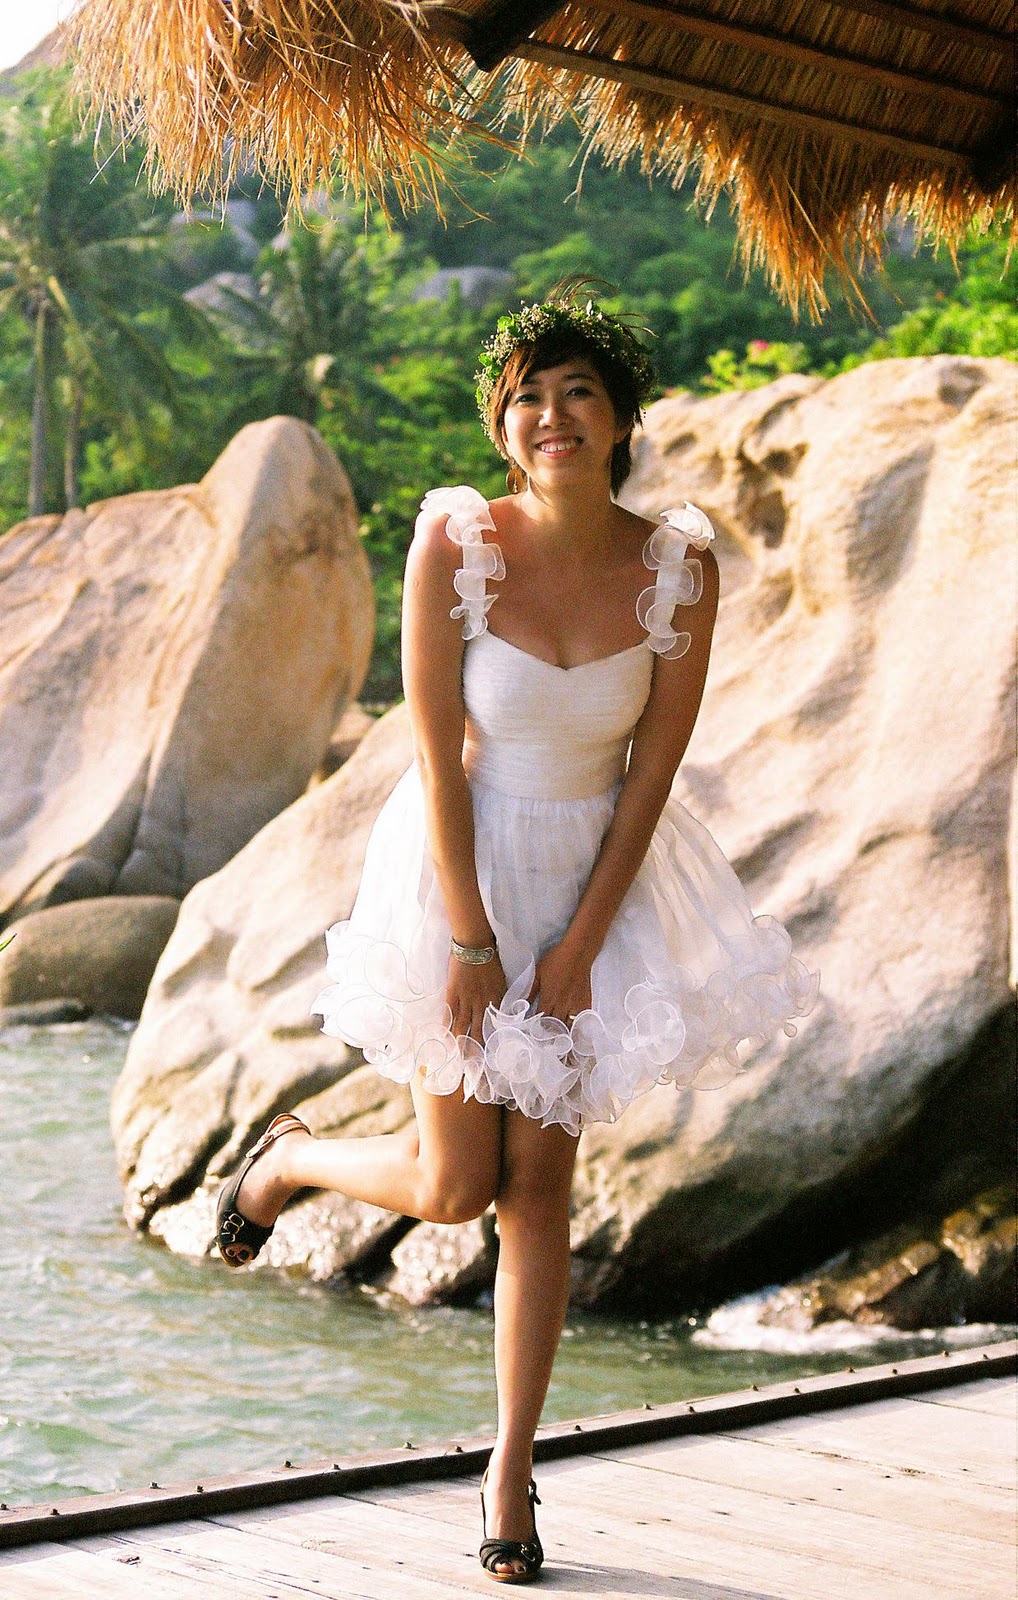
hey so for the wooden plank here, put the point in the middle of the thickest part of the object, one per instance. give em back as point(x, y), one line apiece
point(581, 1558)
point(62, 1572)
point(997, 1396)
point(981, 1510)
point(439, 1553)
point(847, 1554)
point(253, 1563)
point(492, 34)
point(725, 1530)
point(900, 1434)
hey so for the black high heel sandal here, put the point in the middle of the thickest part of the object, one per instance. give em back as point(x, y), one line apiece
point(495, 1552)
point(238, 1238)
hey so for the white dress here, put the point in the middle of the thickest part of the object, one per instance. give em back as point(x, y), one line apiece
point(686, 973)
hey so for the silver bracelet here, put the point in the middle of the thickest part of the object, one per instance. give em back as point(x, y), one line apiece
point(475, 955)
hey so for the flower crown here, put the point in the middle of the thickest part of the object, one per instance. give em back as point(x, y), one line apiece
point(593, 325)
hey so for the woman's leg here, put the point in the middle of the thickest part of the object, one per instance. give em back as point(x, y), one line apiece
point(531, 1295)
point(443, 1168)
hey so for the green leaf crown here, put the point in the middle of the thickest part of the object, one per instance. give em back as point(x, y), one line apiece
point(597, 327)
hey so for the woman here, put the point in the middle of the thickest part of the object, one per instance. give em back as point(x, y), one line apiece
point(541, 933)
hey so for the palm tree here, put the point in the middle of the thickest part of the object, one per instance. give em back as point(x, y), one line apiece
point(306, 330)
point(79, 249)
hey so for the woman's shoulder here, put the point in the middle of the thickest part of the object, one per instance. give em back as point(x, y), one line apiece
point(459, 512)
point(680, 530)
point(450, 543)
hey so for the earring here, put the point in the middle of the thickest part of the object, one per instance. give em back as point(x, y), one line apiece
point(515, 480)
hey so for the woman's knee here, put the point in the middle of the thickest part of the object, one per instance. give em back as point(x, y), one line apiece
point(457, 1188)
point(528, 1193)
point(459, 1198)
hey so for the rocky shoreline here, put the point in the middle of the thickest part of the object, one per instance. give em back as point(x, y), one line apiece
point(853, 758)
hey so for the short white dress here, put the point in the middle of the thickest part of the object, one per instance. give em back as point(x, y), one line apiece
point(686, 974)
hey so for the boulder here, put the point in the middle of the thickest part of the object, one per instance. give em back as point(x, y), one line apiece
point(324, 1236)
point(227, 1039)
point(42, 1013)
point(705, 451)
point(98, 953)
point(346, 736)
point(854, 760)
point(172, 666)
point(961, 1269)
point(444, 1263)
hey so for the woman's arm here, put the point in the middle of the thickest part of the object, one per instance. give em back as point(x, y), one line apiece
point(659, 743)
point(432, 653)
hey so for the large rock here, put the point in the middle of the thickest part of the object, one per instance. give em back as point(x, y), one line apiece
point(172, 665)
point(442, 1263)
point(853, 758)
point(226, 1039)
point(961, 1269)
point(101, 953)
point(324, 1236)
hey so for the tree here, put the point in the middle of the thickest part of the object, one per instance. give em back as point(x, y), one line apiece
point(304, 336)
point(79, 246)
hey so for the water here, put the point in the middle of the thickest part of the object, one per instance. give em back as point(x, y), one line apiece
point(121, 1364)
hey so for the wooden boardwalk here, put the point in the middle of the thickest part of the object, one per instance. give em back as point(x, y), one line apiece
point(905, 1498)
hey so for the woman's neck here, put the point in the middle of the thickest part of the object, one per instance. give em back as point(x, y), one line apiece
point(579, 514)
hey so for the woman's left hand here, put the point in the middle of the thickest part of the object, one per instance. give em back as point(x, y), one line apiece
point(561, 984)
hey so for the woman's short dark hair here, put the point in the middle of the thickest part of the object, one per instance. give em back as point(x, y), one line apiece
point(552, 349)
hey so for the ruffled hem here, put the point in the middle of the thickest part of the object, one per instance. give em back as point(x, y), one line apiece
point(680, 1031)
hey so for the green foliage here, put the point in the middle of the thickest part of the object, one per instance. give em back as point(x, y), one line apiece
point(77, 250)
point(980, 317)
point(763, 362)
point(325, 321)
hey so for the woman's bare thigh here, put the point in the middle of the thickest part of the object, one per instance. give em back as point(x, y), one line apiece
point(460, 1148)
point(537, 1163)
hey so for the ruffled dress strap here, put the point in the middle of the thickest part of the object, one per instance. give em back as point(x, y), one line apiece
point(679, 579)
point(468, 519)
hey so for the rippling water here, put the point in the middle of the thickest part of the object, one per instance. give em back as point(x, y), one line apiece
point(120, 1363)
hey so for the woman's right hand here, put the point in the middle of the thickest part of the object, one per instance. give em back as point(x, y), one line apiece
point(470, 990)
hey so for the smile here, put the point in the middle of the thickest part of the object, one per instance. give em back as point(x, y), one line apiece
point(558, 447)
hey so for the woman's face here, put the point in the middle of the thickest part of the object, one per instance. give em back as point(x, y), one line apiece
point(560, 425)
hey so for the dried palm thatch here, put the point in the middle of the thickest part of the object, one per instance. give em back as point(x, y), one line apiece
point(820, 119)
point(299, 88)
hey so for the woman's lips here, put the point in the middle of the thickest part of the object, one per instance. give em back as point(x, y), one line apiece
point(558, 447)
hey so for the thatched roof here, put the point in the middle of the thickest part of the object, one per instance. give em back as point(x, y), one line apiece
point(820, 119)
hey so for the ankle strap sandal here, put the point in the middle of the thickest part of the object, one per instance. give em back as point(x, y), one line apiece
point(527, 1554)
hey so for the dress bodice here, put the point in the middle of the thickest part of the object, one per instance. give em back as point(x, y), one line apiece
point(559, 733)
point(547, 732)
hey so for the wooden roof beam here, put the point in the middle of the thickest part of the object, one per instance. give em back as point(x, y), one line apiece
point(769, 42)
point(656, 82)
point(933, 23)
point(490, 35)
